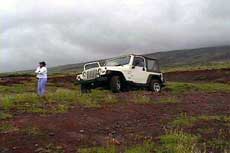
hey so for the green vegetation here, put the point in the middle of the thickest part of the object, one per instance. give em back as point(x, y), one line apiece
point(180, 87)
point(146, 147)
point(183, 121)
point(172, 142)
point(219, 144)
point(141, 98)
point(168, 100)
point(56, 102)
point(7, 128)
point(18, 88)
point(32, 131)
point(50, 148)
point(186, 121)
point(178, 142)
point(5, 116)
point(207, 66)
point(110, 149)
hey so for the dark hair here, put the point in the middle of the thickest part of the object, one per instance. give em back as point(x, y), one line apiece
point(42, 63)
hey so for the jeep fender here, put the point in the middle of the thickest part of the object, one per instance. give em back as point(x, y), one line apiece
point(154, 76)
point(111, 73)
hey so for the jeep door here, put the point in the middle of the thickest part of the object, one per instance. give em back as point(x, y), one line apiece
point(139, 74)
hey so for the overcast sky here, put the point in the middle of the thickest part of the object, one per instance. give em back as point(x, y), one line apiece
point(72, 31)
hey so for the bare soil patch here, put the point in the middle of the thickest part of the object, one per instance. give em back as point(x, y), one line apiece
point(127, 123)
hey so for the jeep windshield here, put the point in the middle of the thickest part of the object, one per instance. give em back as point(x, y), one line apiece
point(91, 65)
point(118, 61)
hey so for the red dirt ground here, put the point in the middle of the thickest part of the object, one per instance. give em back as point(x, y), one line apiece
point(122, 124)
point(8, 81)
point(63, 79)
point(127, 123)
point(221, 76)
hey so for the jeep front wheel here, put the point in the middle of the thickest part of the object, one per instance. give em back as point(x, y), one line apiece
point(85, 88)
point(155, 85)
point(115, 84)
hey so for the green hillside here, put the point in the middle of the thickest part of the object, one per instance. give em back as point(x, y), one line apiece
point(193, 56)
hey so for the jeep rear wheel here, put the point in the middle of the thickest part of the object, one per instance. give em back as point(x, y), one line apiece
point(155, 85)
point(115, 84)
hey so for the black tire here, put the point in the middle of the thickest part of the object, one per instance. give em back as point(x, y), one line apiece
point(155, 85)
point(85, 88)
point(115, 84)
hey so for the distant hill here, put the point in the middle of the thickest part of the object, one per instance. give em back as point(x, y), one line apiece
point(193, 56)
point(174, 58)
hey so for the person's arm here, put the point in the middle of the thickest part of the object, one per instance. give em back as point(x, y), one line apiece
point(43, 70)
point(37, 70)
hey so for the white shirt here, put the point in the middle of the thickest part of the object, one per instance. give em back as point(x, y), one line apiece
point(41, 72)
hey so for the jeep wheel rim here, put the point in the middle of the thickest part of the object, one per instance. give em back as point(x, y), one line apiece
point(118, 85)
point(156, 87)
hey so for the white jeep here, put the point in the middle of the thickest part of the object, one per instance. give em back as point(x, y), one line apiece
point(122, 72)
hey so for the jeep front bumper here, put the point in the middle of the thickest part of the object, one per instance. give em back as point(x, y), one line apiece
point(93, 81)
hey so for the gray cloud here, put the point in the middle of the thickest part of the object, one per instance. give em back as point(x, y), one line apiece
point(62, 32)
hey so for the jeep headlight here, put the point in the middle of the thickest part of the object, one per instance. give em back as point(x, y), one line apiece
point(84, 74)
point(78, 77)
point(99, 71)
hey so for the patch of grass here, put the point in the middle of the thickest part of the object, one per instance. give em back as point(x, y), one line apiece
point(32, 131)
point(180, 87)
point(178, 142)
point(110, 149)
point(207, 66)
point(183, 121)
point(18, 88)
point(97, 98)
point(219, 144)
point(29, 102)
point(146, 147)
point(187, 121)
point(141, 99)
point(56, 102)
point(51, 148)
point(167, 100)
point(5, 116)
point(207, 130)
point(7, 128)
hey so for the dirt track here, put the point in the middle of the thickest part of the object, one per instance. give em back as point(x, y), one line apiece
point(127, 123)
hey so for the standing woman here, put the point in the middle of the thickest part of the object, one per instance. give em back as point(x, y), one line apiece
point(41, 72)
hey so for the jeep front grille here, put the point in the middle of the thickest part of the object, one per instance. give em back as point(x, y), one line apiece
point(92, 74)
